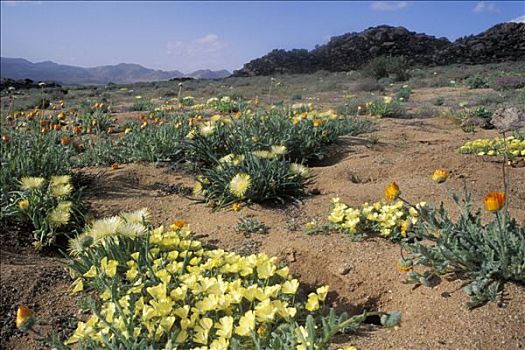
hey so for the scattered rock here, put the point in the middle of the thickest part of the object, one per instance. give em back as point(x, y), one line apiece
point(344, 270)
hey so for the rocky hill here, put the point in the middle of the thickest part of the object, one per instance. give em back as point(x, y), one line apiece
point(503, 42)
point(18, 68)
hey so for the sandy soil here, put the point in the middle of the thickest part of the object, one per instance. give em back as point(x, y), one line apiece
point(362, 275)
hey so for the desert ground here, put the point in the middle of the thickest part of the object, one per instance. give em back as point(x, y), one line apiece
point(362, 274)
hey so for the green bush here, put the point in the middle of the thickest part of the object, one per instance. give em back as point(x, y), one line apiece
point(438, 101)
point(387, 108)
point(487, 254)
point(28, 152)
point(149, 143)
point(252, 178)
point(396, 68)
point(477, 82)
point(403, 94)
point(141, 105)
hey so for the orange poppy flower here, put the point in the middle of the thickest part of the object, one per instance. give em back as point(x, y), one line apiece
point(440, 175)
point(392, 191)
point(494, 201)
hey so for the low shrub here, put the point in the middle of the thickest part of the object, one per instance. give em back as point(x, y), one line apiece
point(253, 177)
point(403, 94)
point(477, 82)
point(509, 82)
point(141, 105)
point(396, 68)
point(386, 108)
point(390, 220)
point(27, 149)
point(515, 146)
point(487, 254)
point(51, 207)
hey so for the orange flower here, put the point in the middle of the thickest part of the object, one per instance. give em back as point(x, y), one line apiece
point(65, 141)
point(77, 129)
point(5, 138)
point(178, 225)
point(24, 318)
point(114, 166)
point(494, 201)
point(392, 191)
point(404, 265)
point(318, 123)
point(61, 115)
point(236, 206)
point(440, 175)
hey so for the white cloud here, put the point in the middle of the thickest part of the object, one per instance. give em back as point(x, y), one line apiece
point(206, 51)
point(388, 5)
point(520, 19)
point(485, 6)
point(208, 44)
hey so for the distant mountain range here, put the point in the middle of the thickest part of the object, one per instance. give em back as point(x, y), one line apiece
point(123, 73)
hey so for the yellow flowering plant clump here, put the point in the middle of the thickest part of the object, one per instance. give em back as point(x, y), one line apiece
point(51, 206)
point(252, 178)
point(388, 219)
point(515, 146)
point(164, 289)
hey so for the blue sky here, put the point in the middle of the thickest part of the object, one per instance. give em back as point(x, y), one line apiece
point(194, 35)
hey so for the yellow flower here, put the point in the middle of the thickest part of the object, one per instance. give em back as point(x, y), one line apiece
point(91, 273)
point(322, 292)
point(207, 129)
point(79, 286)
point(440, 175)
point(392, 191)
point(290, 287)
point(137, 217)
point(30, 183)
point(313, 302)
point(279, 150)
point(24, 318)
point(59, 216)
point(109, 267)
point(266, 269)
point(405, 226)
point(202, 330)
point(299, 169)
point(246, 324)
point(236, 206)
point(225, 327)
point(317, 123)
point(494, 201)
point(387, 99)
point(61, 190)
point(263, 154)
point(239, 184)
point(60, 180)
point(23, 204)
